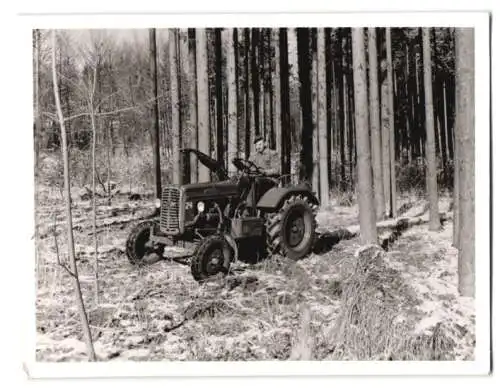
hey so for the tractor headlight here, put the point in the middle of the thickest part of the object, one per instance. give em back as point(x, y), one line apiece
point(201, 207)
point(157, 203)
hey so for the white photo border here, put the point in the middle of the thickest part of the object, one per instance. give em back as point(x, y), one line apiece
point(480, 21)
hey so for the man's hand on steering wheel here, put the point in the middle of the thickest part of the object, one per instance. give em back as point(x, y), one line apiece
point(247, 166)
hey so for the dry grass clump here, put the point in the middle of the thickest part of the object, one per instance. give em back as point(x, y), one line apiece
point(377, 321)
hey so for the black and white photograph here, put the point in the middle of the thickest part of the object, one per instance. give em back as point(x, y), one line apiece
point(276, 192)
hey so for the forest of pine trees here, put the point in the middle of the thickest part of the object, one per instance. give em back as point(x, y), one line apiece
point(364, 114)
point(294, 87)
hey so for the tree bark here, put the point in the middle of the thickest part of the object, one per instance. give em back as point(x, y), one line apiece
point(465, 134)
point(392, 150)
point(203, 103)
point(314, 97)
point(277, 87)
point(248, 96)
point(192, 114)
point(255, 83)
point(432, 187)
point(286, 135)
point(38, 123)
point(69, 219)
point(232, 128)
point(368, 233)
point(91, 94)
point(219, 99)
point(306, 152)
point(156, 118)
point(375, 139)
point(341, 122)
point(386, 146)
point(322, 134)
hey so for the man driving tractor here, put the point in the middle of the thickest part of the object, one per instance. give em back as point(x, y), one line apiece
point(266, 159)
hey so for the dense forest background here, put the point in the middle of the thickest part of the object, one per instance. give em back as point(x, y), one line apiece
point(274, 75)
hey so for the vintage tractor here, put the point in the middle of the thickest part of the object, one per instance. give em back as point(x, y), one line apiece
point(245, 217)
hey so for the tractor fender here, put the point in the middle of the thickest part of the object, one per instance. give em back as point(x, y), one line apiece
point(273, 198)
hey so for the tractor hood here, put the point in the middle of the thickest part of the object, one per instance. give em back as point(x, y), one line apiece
point(213, 165)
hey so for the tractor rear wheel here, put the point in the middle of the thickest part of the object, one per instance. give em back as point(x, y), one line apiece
point(291, 230)
point(208, 258)
point(139, 247)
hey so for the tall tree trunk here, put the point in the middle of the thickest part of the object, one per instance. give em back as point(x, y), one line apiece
point(266, 87)
point(156, 119)
point(284, 90)
point(306, 153)
point(341, 122)
point(392, 151)
point(248, 96)
point(232, 128)
point(175, 104)
point(375, 139)
point(444, 130)
point(322, 135)
point(203, 102)
point(314, 97)
point(218, 95)
point(69, 219)
point(330, 104)
point(262, 95)
point(94, 202)
point(38, 124)
point(192, 114)
point(432, 187)
point(91, 98)
point(276, 88)
point(368, 229)
point(408, 112)
point(255, 82)
point(464, 125)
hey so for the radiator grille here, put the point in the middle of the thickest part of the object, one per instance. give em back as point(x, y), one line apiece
point(169, 218)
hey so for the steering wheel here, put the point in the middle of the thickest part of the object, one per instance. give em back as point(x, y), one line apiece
point(246, 166)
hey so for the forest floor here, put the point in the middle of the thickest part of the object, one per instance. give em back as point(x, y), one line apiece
point(343, 302)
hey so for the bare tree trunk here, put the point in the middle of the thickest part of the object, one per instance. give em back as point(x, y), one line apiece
point(306, 152)
point(392, 151)
point(175, 104)
point(193, 119)
point(465, 134)
point(232, 128)
point(375, 139)
point(219, 99)
point(38, 124)
point(156, 118)
point(456, 186)
point(386, 147)
point(69, 219)
point(286, 134)
point(203, 102)
point(445, 124)
point(432, 187)
point(341, 120)
point(277, 88)
point(368, 228)
point(323, 139)
point(314, 97)
point(94, 171)
point(255, 82)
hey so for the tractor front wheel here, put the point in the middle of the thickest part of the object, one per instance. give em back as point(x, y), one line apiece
point(291, 230)
point(208, 258)
point(139, 247)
